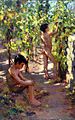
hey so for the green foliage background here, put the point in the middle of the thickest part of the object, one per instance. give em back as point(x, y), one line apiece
point(20, 22)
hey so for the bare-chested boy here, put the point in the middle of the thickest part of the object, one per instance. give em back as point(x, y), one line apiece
point(46, 37)
point(17, 82)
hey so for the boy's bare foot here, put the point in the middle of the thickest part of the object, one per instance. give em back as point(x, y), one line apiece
point(46, 76)
point(35, 102)
point(55, 74)
point(55, 77)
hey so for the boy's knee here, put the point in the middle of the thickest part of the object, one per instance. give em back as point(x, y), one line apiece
point(31, 82)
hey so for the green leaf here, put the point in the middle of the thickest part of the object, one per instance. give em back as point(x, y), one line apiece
point(12, 111)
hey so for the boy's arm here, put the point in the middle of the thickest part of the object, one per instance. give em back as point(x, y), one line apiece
point(56, 30)
point(21, 76)
point(43, 40)
point(17, 78)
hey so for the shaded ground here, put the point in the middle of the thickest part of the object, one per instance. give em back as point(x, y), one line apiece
point(55, 105)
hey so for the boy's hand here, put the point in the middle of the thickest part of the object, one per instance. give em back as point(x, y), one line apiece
point(56, 23)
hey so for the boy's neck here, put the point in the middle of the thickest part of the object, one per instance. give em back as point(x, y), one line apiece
point(44, 32)
point(15, 66)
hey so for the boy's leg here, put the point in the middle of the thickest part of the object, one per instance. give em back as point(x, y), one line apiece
point(54, 62)
point(51, 57)
point(45, 58)
point(32, 99)
point(31, 96)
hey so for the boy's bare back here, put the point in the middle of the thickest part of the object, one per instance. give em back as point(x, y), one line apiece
point(47, 41)
point(46, 37)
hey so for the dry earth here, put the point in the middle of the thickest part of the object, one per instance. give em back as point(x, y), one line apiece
point(54, 103)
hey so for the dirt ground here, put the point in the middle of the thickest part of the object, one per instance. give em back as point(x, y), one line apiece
point(55, 105)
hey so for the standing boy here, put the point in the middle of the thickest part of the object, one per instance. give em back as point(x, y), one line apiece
point(17, 82)
point(46, 37)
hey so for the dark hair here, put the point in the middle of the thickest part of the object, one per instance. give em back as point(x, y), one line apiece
point(43, 27)
point(19, 59)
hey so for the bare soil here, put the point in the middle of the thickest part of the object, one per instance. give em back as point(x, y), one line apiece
point(54, 103)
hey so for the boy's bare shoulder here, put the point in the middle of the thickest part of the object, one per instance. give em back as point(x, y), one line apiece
point(43, 36)
point(11, 70)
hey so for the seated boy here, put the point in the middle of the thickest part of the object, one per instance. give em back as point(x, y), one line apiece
point(17, 82)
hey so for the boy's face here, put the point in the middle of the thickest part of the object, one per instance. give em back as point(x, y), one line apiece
point(20, 66)
point(47, 29)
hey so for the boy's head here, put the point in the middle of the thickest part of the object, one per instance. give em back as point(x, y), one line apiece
point(20, 60)
point(43, 27)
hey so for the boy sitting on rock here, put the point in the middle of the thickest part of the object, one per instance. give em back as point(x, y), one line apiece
point(17, 82)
